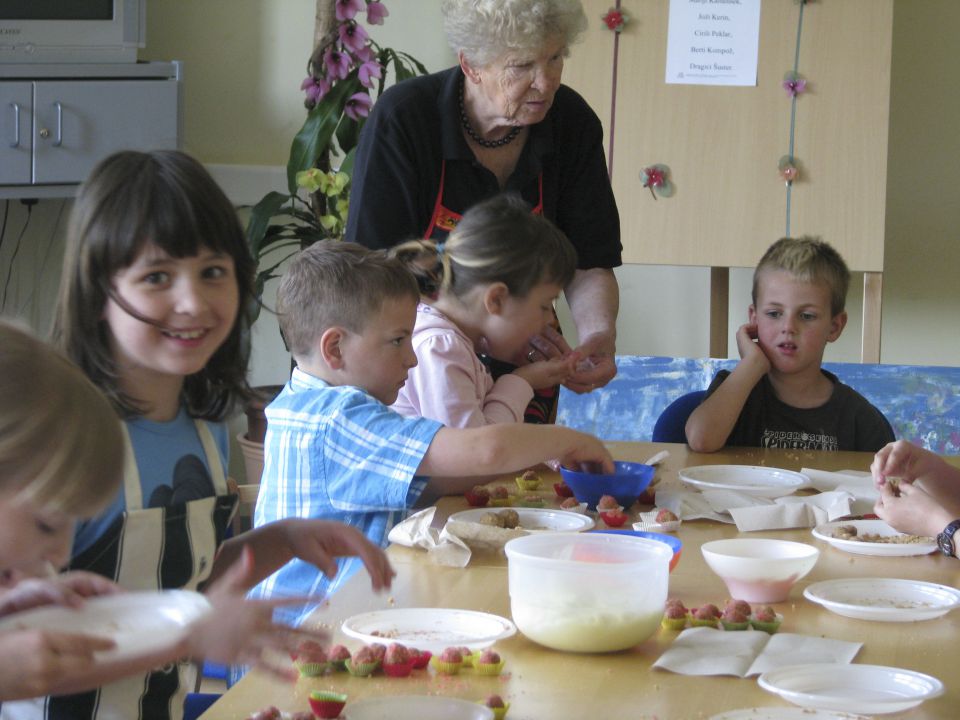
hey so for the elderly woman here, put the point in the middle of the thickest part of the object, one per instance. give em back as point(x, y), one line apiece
point(500, 121)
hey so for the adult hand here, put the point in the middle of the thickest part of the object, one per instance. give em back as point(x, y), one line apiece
point(549, 345)
point(910, 509)
point(547, 373)
point(597, 366)
point(903, 460)
point(69, 589)
point(34, 663)
point(321, 542)
point(588, 454)
point(749, 348)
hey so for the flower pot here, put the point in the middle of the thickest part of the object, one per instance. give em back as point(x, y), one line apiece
point(254, 410)
point(252, 458)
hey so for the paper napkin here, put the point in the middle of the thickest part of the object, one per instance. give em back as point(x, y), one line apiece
point(442, 547)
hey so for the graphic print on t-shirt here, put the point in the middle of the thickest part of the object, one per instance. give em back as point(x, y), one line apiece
point(191, 481)
point(798, 440)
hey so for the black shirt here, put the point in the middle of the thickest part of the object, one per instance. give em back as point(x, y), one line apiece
point(414, 129)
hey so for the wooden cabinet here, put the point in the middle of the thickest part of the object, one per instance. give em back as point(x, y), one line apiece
point(723, 144)
point(57, 122)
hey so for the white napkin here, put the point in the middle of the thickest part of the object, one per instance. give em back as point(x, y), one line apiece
point(707, 651)
point(856, 482)
point(442, 547)
point(793, 511)
point(689, 505)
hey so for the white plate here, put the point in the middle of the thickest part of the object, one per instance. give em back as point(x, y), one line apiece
point(138, 622)
point(782, 713)
point(416, 707)
point(747, 479)
point(432, 629)
point(867, 689)
point(534, 519)
point(859, 547)
point(889, 600)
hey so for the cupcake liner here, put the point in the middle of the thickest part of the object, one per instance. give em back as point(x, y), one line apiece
point(562, 489)
point(470, 659)
point(579, 508)
point(338, 665)
point(728, 625)
point(398, 670)
point(674, 623)
point(613, 520)
point(476, 500)
point(699, 622)
point(499, 713)
point(648, 523)
point(531, 502)
point(528, 485)
point(362, 669)
point(769, 626)
point(502, 502)
point(312, 669)
point(326, 704)
point(445, 668)
point(489, 668)
point(420, 661)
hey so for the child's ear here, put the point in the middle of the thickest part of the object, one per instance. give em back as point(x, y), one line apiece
point(837, 324)
point(331, 347)
point(495, 297)
point(752, 314)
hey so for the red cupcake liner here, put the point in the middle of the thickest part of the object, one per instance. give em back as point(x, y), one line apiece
point(398, 670)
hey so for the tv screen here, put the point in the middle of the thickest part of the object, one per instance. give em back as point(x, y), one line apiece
point(56, 9)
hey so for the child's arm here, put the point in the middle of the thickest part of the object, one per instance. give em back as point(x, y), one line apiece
point(914, 511)
point(910, 464)
point(318, 542)
point(709, 426)
point(455, 457)
point(67, 589)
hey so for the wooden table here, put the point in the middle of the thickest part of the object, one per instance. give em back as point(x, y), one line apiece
point(543, 684)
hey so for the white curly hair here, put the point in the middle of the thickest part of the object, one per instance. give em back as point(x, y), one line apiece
point(484, 30)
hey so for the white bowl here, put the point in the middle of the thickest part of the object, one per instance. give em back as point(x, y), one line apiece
point(587, 592)
point(759, 570)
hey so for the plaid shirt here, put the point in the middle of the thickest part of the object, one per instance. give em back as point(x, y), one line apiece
point(335, 453)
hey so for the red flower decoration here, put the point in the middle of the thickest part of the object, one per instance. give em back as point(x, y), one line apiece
point(655, 178)
point(615, 19)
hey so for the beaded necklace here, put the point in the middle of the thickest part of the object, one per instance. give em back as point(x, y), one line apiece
point(475, 136)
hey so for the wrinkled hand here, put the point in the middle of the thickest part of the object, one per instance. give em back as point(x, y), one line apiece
point(598, 366)
point(321, 542)
point(749, 348)
point(549, 345)
point(240, 630)
point(34, 663)
point(913, 511)
point(69, 589)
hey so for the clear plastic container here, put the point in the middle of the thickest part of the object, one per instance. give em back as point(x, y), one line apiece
point(585, 592)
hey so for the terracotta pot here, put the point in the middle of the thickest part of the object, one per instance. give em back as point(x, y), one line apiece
point(252, 458)
point(256, 420)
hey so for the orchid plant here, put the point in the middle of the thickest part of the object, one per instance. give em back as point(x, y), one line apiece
point(344, 69)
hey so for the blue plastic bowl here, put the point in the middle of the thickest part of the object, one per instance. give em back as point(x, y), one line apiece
point(626, 484)
point(671, 540)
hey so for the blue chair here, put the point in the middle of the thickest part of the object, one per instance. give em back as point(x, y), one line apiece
point(196, 704)
point(671, 425)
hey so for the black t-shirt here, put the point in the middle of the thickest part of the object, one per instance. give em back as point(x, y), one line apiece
point(414, 132)
point(845, 422)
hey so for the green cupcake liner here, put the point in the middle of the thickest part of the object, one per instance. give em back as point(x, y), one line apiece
point(362, 669)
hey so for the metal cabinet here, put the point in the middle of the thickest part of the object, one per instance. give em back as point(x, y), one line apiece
point(54, 129)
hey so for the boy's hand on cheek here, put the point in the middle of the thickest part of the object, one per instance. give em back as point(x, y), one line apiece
point(749, 347)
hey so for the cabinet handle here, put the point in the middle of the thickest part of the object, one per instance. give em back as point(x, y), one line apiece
point(59, 141)
point(16, 125)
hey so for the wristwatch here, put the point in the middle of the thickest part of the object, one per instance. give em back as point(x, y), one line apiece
point(945, 539)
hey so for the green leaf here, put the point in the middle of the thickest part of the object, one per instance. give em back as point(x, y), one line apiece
point(260, 217)
point(347, 165)
point(347, 133)
point(314, 137)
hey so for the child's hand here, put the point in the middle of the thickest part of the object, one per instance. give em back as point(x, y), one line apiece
point(911, 510)
point(749, 348)
point(899, 459)
point(34, 663)
point(320, 542)
point(239, 630)
point(548, 373)
point(68, 589)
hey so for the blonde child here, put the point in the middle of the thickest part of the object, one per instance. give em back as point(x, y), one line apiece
point(487, 290)
point(926, 498)
point(157, 278)
point(778, 395)
point(334, 449)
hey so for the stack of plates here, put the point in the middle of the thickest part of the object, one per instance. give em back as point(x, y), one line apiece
point(747, 479)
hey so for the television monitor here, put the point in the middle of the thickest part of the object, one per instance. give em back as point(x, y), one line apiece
point(71, 31)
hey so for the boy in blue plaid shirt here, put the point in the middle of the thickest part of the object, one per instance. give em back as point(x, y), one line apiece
point(334, 449)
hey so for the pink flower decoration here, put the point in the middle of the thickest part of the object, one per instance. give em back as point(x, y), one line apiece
point(315, 88)
point(615, 19)
point(358, 106)
point(353, 36)
point(369, 72)
point(794, 86)
point(376, 12)
point(337, 63)
point(788, 169)
point(364, 54)
point(348, 9)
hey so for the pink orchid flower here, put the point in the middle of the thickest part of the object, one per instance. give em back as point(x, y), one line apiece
point(376, 12)
point(364, 54)
point(369, 72)
point(348, 9)
point(337, 63)
point(353, 36)
point(794, 85)
point(315, 88)
point(358, 106)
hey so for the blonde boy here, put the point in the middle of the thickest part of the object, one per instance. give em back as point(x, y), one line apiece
point(333, 449)
point(778, 395)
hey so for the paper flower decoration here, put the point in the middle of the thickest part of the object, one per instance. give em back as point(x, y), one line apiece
point(656, 178)
point(788, 169)
point(615, 19)
point(794, 84)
